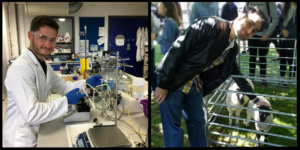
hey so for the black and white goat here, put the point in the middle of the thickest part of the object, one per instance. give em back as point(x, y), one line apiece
point(260, 116)
point(236, 99)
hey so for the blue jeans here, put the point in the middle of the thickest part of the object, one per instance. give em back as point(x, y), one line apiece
point(191, 106)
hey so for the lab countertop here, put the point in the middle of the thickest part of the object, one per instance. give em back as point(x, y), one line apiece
point(54, 134)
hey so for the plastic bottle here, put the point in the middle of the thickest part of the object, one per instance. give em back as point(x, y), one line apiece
point(67, 37)
point(75, 78)
point(60, 68)
point(62, 39)
point(57, 38)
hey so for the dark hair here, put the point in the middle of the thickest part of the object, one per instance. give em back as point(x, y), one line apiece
point(285, 8)
point(171, 11)
point(261, 14)
point(42, 20)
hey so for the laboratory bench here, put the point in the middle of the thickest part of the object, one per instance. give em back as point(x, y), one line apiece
point(54, 133)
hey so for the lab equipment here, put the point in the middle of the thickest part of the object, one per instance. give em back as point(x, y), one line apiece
point(144, 102)
point(75, 78)
point(110, 84)
point(83, 141)
point(138, 88)
point(67, 37)
point(81, 112)
point(56, 59)
point(57, 38)
point(129, 103)
point(62, 39)
point(124, 81)
point(101, 136)
point(108, 136)
point(73, 96)
point(83, 65)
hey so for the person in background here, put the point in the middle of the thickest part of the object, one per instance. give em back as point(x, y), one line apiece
point(262, 42)
point(170, 30)
point(203, 9)
point(178, 6)
point(199, 61)
point(29, 82)
point(288, 27)
point(154, 29)
point(276, 33)
point(229, 11)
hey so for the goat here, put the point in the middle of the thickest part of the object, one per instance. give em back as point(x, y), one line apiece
point(260, 116)
point(236, 99)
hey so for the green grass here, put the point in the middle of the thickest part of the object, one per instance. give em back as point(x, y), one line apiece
point(281, 105)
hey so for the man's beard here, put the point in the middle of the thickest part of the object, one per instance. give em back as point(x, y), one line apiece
point(36, 49)
point(241, 36)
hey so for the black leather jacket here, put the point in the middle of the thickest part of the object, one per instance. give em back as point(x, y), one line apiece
point(201, 44)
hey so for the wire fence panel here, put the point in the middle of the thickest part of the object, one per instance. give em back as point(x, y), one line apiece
point(282, 100)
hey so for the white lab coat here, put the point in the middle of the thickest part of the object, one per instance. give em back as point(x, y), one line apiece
point(146, 35)
point(27, 92)
point(140, 43)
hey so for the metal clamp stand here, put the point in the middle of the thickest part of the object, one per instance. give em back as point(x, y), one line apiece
point(110, 136)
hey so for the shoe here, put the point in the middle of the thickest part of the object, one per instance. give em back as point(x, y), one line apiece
point(275, 59)
point(265, 83)
point(243, 52)
point(284, 85)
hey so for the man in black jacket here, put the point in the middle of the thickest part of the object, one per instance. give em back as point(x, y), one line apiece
point(199, 61)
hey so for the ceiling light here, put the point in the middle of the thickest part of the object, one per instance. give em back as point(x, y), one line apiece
point(62, 19)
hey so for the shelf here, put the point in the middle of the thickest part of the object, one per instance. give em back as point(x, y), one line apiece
point(64, 43)
point(61, 54)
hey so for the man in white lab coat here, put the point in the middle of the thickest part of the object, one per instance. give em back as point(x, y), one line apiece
point(30, 80)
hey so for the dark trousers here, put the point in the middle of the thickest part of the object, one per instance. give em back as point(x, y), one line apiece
point(153, 75)
point(261, 52)
point(287, 53)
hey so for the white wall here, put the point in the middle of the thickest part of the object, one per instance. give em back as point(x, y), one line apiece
point(84, 11)
point(13, 29)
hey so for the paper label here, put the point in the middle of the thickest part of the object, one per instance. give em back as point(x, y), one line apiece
point(138, 89)
point(120, 42)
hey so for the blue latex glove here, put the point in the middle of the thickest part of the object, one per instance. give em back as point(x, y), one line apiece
point(94, 80)
point(73, 97)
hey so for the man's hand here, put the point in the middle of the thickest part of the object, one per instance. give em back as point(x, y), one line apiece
point(153, 37)
point(264, 38)
point(260, 103)
point(94, 80)
point(285, 33)
point(160, 94)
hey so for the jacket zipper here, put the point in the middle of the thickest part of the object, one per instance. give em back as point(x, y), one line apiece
point(294, 18)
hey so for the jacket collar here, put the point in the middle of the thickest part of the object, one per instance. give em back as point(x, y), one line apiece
point(29, 53)
point(167, 18)
point(33, 58)
point(230, 26)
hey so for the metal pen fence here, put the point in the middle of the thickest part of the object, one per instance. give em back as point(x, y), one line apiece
point(217, 100)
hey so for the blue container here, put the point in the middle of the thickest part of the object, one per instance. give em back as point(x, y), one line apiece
point(110, 84)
